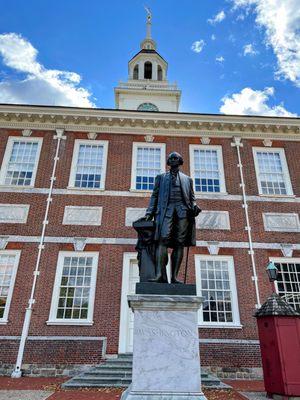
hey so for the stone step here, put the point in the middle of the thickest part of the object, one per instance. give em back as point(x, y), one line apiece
point(112, 373)
point(114, 365)
point(78, 384)
point(105, 368)
point(117, 372)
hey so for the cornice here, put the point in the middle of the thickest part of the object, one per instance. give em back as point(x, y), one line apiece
point(138, 122)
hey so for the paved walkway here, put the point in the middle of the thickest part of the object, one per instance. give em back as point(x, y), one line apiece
point(50, 389)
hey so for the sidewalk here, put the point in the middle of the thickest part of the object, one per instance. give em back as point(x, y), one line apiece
point(49, 388)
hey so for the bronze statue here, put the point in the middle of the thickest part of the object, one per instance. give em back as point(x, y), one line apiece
point(173, 207)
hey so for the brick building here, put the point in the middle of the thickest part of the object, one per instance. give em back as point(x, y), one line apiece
point(72, 180)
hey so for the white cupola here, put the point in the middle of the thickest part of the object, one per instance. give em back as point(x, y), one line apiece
point(147, 88)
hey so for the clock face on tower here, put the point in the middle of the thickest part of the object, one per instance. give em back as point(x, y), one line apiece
point(147, 107)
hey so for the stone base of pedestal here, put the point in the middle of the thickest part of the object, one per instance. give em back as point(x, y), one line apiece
point(166, 362)
point(131, 395)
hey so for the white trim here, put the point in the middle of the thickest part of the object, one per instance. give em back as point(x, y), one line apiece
point(234, 299)
point(131, 193)
point(89, 142)
point(285, 169)
point(17, 254)
point(53, 320)
point(7, 155)
point(135, 146)
point(123, 330)
point(192, 148)
point(132, 241)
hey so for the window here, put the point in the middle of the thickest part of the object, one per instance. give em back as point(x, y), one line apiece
point(136, 72)
point(272, 172)
point(147, 70)
point(215, 280)
point(20, 161)
point(9, 261)
point(89, 164)
point(207, 168)
point(147, 107)
point(288, 282)
point(159, 73)
point(74, 288)
point(148, 160)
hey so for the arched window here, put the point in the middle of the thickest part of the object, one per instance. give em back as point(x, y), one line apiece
point(136, 72)
point(148, 70)
point(147, 107)
point(159, 73)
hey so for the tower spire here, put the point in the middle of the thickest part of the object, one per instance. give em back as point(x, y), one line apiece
point(148, 43)
point(149, 22)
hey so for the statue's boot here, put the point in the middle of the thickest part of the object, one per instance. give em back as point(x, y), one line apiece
point(161, 277)
point(176, 259)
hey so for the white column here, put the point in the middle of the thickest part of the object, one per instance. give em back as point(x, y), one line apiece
point(154, 70)
point(141, 70)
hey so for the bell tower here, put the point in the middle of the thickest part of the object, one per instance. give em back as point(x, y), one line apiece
point(147, 87)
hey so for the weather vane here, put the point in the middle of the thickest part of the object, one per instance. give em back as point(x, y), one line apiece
point(149, 13)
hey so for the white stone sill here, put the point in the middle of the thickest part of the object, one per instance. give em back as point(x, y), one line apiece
point(81, 189)
point(3, 322)
point(211, 193)
point(139, 191)
point(21, 187)
point(70, 322)
point(277, 196)
point(219, 326)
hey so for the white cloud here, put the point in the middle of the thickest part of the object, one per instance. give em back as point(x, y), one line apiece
point(281, 21)
point(220, 59)
point(213, 37)
point(198, 45)
point(249, 50)
point(253, 102)
point(40, 85)
point(217, 18)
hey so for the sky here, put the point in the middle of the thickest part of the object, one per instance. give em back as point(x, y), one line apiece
point(227, 56)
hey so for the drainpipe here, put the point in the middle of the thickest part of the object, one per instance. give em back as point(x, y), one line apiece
point(237, 143)
point(17, 372)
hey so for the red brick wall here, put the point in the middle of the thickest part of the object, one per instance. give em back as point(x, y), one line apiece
point(108, 287)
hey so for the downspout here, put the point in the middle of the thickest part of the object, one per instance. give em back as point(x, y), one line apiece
point(17, 372)
point(237, 143)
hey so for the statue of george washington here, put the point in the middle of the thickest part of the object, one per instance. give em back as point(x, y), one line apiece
point(173, 207)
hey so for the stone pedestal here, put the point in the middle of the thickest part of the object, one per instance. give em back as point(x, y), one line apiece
point(166, 363)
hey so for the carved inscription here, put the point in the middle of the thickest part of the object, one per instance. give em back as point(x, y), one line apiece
point(13, 213)
point(159, 332)
point(213, 220)
point(132, 214)
point(281, 222)
point(75, 215)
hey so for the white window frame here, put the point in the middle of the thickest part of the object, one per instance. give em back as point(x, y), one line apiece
point(9, 146)
point(283, 260)
point(135, 146)
point(16, 253)
point(219, 151)
point(235, 307)
point(53, 320)
point(285, 169)
point(77, 144)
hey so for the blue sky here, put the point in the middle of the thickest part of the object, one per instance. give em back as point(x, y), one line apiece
point(230, 56)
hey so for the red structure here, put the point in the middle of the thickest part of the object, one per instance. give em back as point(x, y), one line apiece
point(279, 335)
